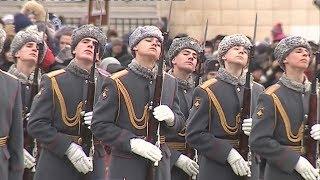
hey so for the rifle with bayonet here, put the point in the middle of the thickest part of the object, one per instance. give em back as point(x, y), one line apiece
point(190, 152)
point(245, 113)
point(202, 58)
point(153, 134)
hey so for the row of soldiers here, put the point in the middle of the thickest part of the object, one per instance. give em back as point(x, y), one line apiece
point(205, 117)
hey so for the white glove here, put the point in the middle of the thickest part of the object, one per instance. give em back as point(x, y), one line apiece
point(87, 117)
point(27, 116)
point(145, 149)
point(79, 159)
point(246, 126)
point(187, 165)
point(315, 132)
point(164, 113)
point(306, 170)
point(28, 160)
point(238, 164)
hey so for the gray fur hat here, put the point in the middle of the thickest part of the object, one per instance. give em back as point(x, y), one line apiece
point(230, 41)
point(22, 38)
point(287, 45)
point(178, 44)
point(142, 32)
point(2, 38)
point(88, 31)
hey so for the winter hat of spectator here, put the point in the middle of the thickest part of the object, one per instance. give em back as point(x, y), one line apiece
point(277, 33)
point(178, 44)
point(2, 38)
point(20, 22)
point(22, 38)
point(230, 41)
point(287, 45)
point(33, 7)
point(89, 31)
point(142, 32)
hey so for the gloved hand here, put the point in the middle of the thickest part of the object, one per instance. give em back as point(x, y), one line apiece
point(27, 116)
point(306, 170)
point(79, 159)
point(87, 117)
point(145, 149)
point(315, 132)
point(187, 165)
point(164, 113)
point(28, 160)
point(238, 164)
point(246, 126)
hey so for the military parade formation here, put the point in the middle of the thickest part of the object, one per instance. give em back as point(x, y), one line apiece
point(154, 120)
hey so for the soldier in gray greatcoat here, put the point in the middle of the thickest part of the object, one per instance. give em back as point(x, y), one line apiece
point(121, 115)
point(56, 117)
point(25, 50)
point(11, 149)
point(278, 131)
point(213, 125)
point(183, 55)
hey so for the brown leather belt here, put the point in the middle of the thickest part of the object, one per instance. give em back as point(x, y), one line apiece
point(3, 141)
point(78, 140)
point(179, 146)
point(297, 149)
point(234, 142)
point(162, 139)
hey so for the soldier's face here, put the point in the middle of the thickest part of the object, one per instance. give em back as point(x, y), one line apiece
point(28, 53)
point(186, 60)
point(237, 55)
point(85, 49)
point(298, 58)
point(149, 46)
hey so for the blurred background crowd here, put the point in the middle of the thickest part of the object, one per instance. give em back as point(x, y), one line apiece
point(117, 54)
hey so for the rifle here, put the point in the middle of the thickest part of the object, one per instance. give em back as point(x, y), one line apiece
point(245, 113)
point(190, 152)
point(153, 131)
point(85, 133)
point(202, 59)
point(312, 146)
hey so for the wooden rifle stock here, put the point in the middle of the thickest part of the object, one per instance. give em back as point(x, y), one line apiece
point(85, 132)
point(310, 144)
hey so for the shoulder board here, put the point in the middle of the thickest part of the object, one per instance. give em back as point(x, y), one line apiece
point(272, 89)
point(208, 83)
point(11, 75)
point(55, 73)
point(119, 74)
point(103, 72)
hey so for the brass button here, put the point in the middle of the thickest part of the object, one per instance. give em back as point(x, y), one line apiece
point(80, 141)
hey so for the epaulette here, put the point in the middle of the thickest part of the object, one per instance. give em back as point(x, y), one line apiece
point(103, 72)
point(54, 73)
point(13, 76)
point(119, 74)
point(208, 83)
point(272, 89)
